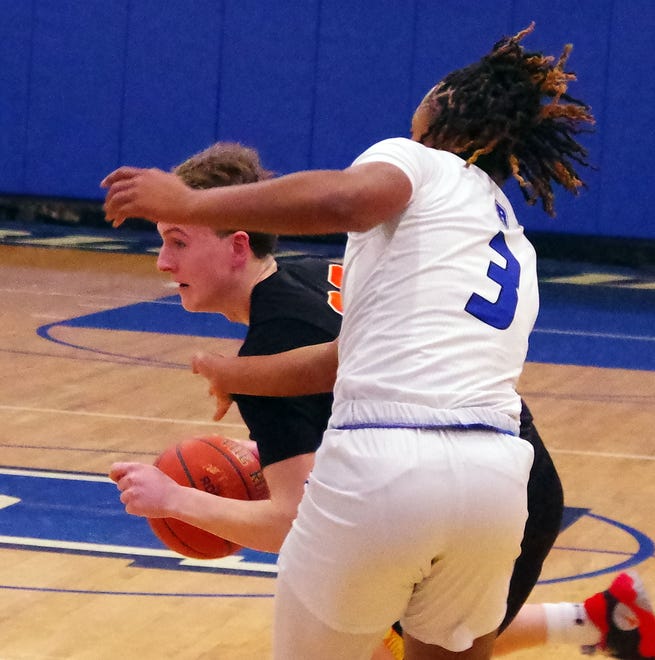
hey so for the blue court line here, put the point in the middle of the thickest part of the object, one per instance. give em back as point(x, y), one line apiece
point(133, 593)
point(164, 316)
point(604, 325)
point(574, 327)
point(89, 450)
point(594, 325)
point(645, 551)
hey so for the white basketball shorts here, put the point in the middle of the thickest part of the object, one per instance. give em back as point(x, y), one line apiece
point(415, 525)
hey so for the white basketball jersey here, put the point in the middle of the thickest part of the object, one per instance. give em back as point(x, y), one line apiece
point(438, 303)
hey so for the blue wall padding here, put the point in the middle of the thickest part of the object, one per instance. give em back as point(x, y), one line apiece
point(15, 65)
point(87, 85)
point(363, 78)
point(76, 96)
point(627, 189)
point(267, 95)
point(172, 59)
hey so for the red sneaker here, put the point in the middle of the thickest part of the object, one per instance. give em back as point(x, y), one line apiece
point(624, 616)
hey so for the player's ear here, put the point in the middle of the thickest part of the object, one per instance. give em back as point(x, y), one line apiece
point(241, 249)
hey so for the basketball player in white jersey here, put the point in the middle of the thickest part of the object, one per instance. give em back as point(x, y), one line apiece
point(416, 505)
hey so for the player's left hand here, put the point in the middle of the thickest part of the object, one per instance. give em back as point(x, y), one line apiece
point(152, 194)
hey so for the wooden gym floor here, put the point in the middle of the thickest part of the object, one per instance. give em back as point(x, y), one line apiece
point(93, 355)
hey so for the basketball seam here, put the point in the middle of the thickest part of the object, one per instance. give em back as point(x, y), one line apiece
point(185, 467)
point(184, 543)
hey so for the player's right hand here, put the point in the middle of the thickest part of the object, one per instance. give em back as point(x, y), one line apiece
point(152, 194)
point(145, 489)
point(208, 365)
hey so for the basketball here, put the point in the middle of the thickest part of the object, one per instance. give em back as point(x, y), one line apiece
point(216, 465)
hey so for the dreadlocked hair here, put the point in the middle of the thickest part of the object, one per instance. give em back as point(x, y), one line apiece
point(510, 114)
point(228, 164)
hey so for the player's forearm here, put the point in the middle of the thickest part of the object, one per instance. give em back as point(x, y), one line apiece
point(299, 372)
point(256, 524)
point(309, 202)
point(299, 204)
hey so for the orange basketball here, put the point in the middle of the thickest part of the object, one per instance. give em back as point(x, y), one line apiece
point(219, 466)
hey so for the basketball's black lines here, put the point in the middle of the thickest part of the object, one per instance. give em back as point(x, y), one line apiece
point(165, 522)
point(185, 467)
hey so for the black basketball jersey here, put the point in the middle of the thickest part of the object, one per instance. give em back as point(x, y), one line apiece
point(289, 309)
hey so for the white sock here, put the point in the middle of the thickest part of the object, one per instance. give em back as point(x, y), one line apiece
point(568, 623)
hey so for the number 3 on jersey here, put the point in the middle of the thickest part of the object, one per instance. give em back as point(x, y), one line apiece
point(499, 314)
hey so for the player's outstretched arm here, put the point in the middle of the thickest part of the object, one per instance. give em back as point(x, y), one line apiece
point(309, 202)
point(301, 371)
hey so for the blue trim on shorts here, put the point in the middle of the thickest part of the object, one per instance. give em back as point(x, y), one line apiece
point(425, 427)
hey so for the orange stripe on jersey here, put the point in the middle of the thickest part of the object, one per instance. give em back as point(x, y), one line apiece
point(335, 301)
point(335, 277)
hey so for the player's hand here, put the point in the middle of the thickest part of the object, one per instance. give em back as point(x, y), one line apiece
point(145, 489)
point(209, 366)
point(151, 194)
